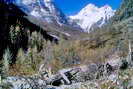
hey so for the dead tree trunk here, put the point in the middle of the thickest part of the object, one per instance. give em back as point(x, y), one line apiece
point(130, 53)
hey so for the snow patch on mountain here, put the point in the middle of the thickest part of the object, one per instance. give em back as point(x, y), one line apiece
point(92, 15)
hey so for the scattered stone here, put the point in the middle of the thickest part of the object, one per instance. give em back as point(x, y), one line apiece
point(71, 76)
point(109, 68)
point(93, 68)
point(25, 83)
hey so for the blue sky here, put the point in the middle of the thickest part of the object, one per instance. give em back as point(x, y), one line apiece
point(70, 7)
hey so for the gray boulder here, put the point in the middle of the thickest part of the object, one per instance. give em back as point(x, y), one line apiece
point(25, 83)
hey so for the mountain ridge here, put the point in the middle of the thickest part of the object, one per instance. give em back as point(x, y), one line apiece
point(44, 9)
point(91, 15)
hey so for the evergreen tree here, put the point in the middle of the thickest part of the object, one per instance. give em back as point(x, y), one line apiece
point(4, 68)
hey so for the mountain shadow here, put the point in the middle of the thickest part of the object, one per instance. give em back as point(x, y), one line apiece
point(12, 17)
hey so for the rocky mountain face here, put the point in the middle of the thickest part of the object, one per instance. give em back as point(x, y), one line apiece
point(44, 9)
point(47, 12)
point(91, 16)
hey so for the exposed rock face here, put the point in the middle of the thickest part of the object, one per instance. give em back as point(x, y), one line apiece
point(47, 12)
point(43, 9)
point(25, 83)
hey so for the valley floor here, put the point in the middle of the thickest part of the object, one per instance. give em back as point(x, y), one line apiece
point(120, 77)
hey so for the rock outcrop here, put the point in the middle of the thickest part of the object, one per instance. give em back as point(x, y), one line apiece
point(25, 83)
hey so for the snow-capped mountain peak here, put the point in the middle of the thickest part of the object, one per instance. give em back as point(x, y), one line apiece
point(90, 6)
point(92, 15)
point(48, 0)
